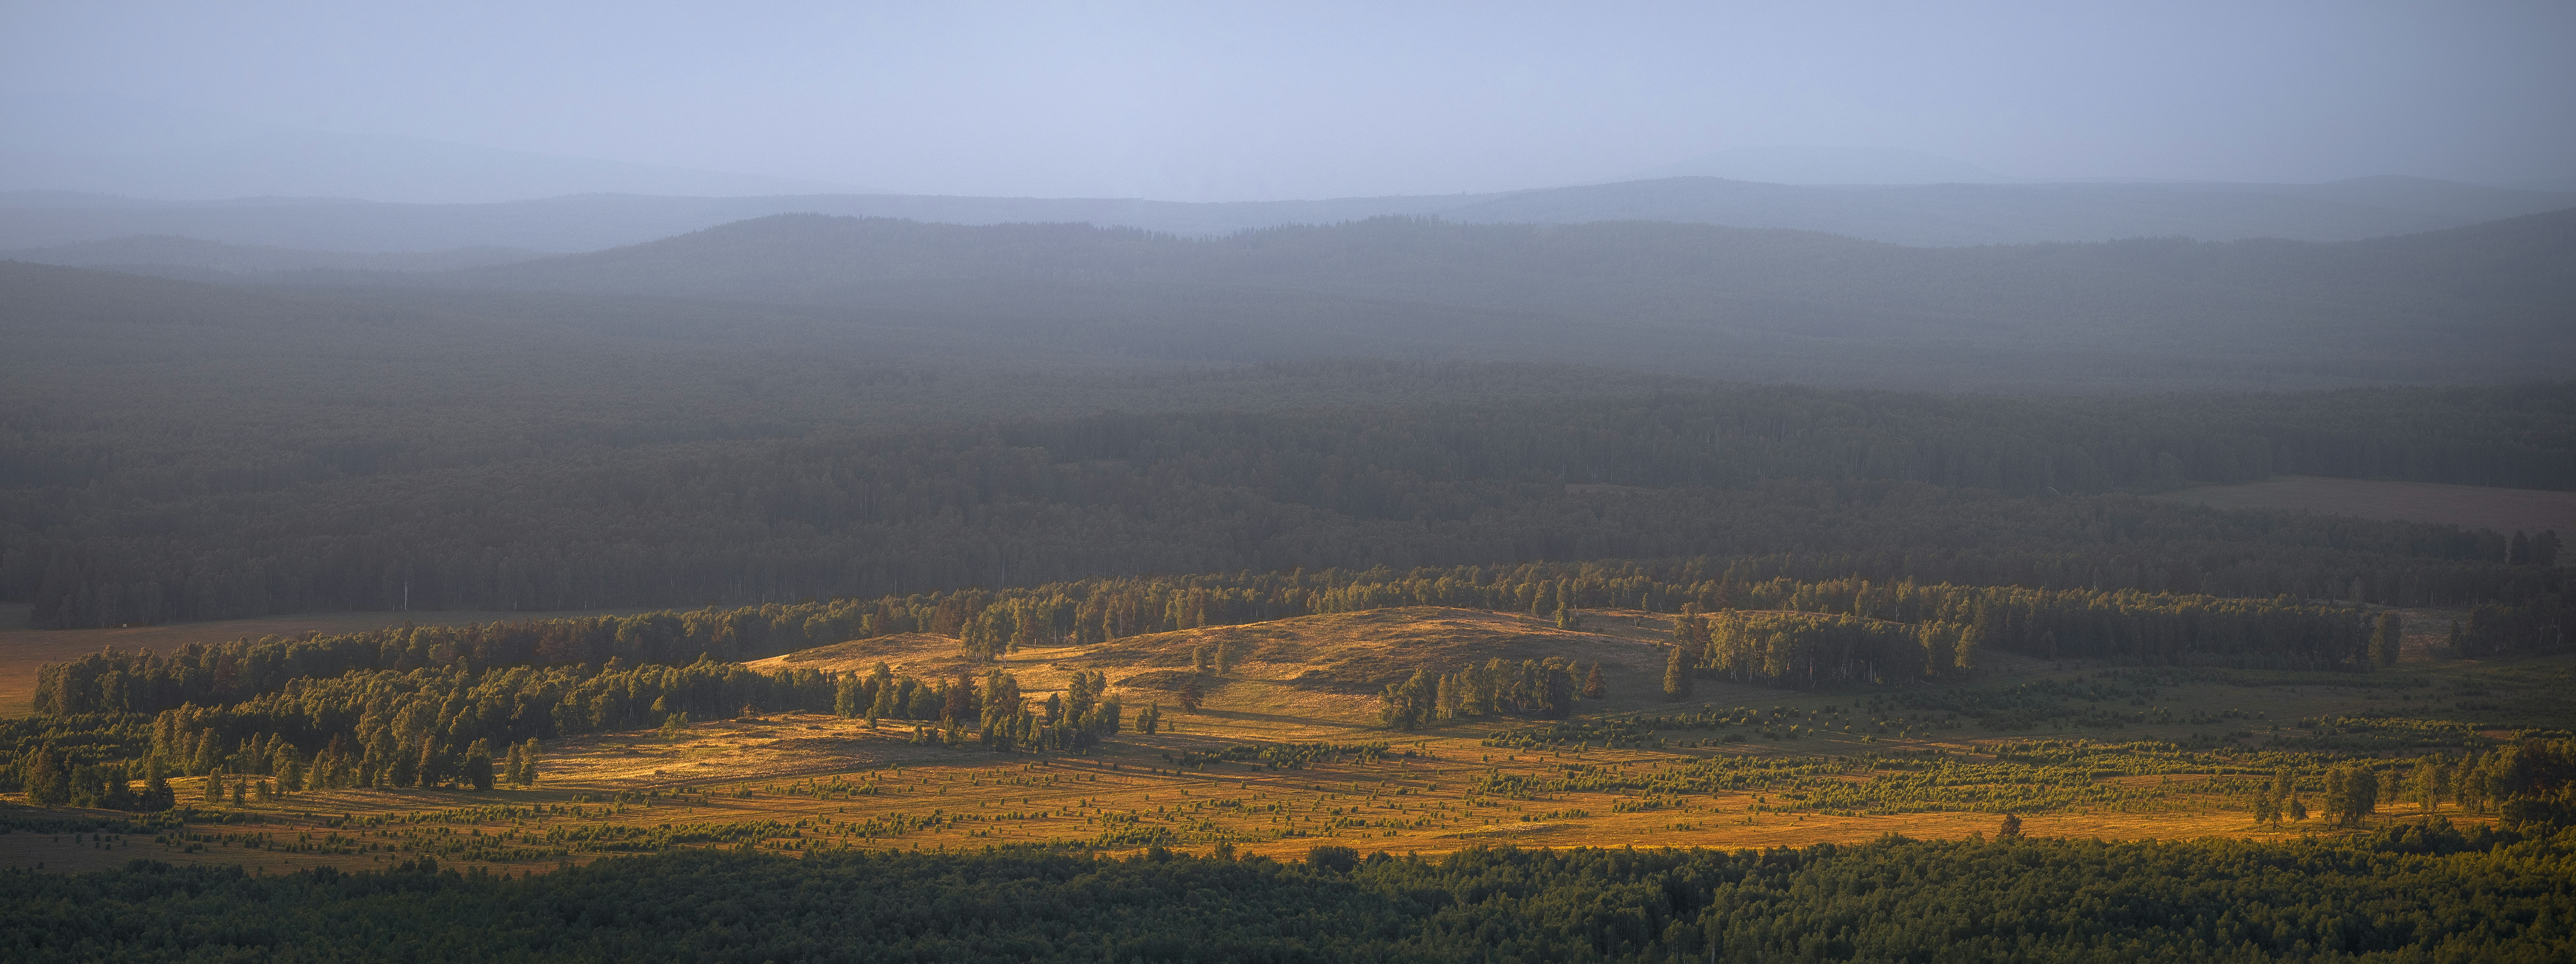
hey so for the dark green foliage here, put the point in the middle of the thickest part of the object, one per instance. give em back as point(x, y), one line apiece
point(1332, 859)
point(471, 513)
point(2409, 890)
point(1900, 631)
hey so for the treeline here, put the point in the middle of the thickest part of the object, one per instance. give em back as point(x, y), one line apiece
point(2072, 622)
point(2481, 894)
point(1900, 631)
point(1533, 687)
point(455, 725)
point(1031, 502)
point(1818, 650)
point(2114, 624)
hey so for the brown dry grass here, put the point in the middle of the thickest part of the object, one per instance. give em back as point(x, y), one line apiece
point(2468, 506)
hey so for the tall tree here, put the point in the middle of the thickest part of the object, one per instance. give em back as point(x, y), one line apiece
point(2387, 636)
point(1677, 674)
point(477, 770)
point(47, 782)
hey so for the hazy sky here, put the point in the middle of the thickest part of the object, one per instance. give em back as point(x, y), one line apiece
point(1203, 101)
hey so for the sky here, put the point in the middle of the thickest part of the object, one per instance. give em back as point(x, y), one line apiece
point(1221, 101)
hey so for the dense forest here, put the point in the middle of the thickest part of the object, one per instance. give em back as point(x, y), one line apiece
point(195, 533)
point(1635, 283)
point(2411, 892)
point(190, 451)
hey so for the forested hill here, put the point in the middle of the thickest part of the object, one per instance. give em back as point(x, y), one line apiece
point(2475, 303)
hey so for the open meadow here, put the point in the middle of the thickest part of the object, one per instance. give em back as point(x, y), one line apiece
point(1287, 753)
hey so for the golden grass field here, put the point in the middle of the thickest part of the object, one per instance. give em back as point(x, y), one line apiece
point(2467, 506)
point(823, 782)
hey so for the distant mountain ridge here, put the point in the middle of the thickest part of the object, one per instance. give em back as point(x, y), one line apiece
point(2481, 303)
point(1923, 215)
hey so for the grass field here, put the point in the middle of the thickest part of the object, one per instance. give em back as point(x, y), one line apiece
point(2168, 756)
point(2468, 506)
point(23, 651)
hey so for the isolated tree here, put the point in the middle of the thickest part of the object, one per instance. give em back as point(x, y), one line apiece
point(527, 775)
point(1556, 689)
point(2011, 827)
point(1151, 719)
point(157, 795)
point(1199, 659)
point(435, 767)
point(2385, 639)
point(960, 705)
point(1677, 677)
point(1192, 696)
point(477, 770)
point(675, 725)
point(1593, 688)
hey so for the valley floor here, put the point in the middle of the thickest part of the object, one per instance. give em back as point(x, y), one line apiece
point(2170, 755)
